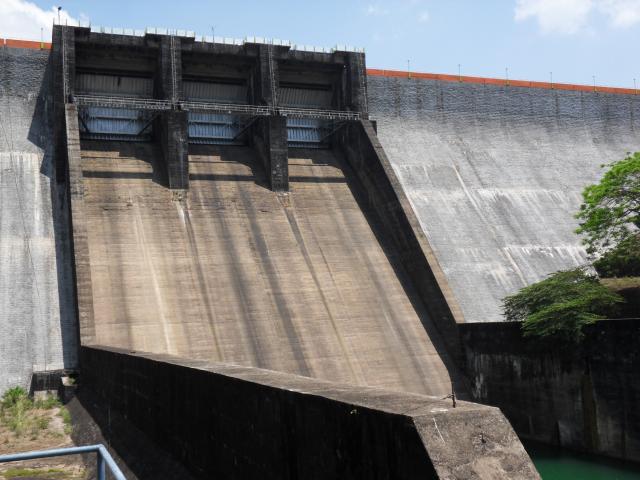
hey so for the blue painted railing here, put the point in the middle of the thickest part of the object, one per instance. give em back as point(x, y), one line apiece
point(104, 459)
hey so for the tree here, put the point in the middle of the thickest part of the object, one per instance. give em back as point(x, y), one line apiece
point(610, 213)
point(561, 305)
point(623, 260)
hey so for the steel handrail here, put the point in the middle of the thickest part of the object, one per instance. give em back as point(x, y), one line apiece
point(228, 108)
point(131, 103)
point(104, 458)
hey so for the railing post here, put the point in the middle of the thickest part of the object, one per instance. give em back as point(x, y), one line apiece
point(101, 473)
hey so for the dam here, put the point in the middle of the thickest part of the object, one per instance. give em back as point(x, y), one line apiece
point(277, 233)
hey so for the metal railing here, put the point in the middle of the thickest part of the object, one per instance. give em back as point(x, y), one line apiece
point(318, 113)
point(224, 108)
point(228, 108)
point(104, 458)
point(122, 102)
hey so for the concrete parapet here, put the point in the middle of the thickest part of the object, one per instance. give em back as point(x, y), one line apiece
point(362, 150)
point(228, 421)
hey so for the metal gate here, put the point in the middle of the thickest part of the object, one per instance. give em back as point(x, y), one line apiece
point(102, 123)
point(308, 132)
point(214, 128)
point(106, 123)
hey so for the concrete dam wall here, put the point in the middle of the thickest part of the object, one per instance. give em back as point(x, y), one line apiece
point(37, 326)
point(495, 174)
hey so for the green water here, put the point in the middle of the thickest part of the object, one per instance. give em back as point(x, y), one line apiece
point(558, 464)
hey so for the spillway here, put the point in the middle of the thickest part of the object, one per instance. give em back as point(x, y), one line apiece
point(301, 282)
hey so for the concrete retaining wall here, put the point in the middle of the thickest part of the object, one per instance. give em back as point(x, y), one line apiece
point(584, 397)
point(495, 173)
point(228, 421)
point(37, 326)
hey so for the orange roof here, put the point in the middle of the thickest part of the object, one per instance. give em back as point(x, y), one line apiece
point(499, 81)
point(25, 44)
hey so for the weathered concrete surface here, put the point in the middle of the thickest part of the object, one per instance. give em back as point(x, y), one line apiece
point(385, 195)
point(582, 397)
point(225, 421)
point(37, 328)
point(495, 174)
point(301, 282)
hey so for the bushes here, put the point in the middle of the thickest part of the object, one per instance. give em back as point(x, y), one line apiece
point(561, 305)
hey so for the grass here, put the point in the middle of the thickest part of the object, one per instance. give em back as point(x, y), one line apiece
point(66, 419)
point(22, 416)
point(33, 472)
point(47, 403)
point(44, 473)
point(14, 413)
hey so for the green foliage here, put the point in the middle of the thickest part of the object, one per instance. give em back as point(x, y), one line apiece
point(15, 411)
point(23, 416)
point(611, 209)
point(561, 305)
point(621, 261)
point(12, 396)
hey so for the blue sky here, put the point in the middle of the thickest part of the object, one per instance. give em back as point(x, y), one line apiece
point(574, 39)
